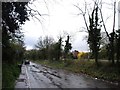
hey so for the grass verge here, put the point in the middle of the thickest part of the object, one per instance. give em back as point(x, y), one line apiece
point(105, 71)
point(10, 72)
point(0, 76)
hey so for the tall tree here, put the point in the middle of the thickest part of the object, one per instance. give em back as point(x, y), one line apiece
point(94, 28)
point(44, 45)
point(94, 36)
point(44, 42)
point(13, 15)
point(111, 36)
point(54, 52)
point(118, 45)
point(67, 46)
point(58, 48)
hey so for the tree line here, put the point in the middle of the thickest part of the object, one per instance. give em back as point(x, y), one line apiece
point(48, 49)
point(111, 49)
point(14, 14)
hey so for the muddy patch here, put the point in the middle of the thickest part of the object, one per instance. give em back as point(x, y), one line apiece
point(20, 80)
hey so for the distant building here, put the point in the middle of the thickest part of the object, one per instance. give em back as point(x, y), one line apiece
point(75, 54)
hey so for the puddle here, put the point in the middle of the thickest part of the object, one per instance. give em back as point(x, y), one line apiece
point(20, 80)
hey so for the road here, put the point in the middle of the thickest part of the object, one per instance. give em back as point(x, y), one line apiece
point(38, 76)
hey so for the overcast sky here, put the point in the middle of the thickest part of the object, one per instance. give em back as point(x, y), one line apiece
point(62, 19)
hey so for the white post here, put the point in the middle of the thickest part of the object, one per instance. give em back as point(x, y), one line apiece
point(119, 15)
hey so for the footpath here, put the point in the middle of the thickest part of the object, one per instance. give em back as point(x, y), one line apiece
point(22, 81)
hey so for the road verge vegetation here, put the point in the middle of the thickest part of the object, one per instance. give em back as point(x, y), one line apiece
point(105, 70)
point(10, 73)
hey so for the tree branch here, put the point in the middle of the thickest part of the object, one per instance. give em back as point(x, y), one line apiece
point(104, 23)
point(114, 17)
point(83, 14)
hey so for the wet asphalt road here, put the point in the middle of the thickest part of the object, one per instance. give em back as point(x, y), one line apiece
point(38, 76)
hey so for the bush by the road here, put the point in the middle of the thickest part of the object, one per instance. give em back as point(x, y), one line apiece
point(10, 72)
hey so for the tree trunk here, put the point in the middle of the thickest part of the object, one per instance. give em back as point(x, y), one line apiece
point(112, 36)
point(118, 50)
point(112, 53)
point(96, 58)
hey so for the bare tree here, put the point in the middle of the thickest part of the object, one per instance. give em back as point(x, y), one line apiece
point(44, 42)
point(94, 29)
point(110, 36)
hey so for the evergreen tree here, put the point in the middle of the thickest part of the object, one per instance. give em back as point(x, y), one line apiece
point(94, 34)
point(118, 45)
point(67, 46)
point(58, 49)
point(13, 15)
